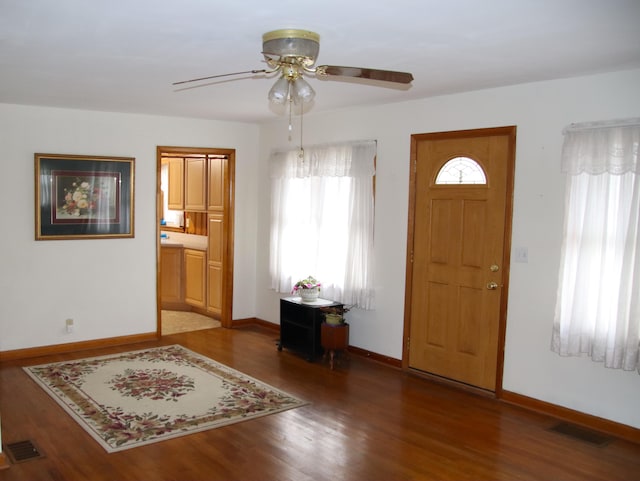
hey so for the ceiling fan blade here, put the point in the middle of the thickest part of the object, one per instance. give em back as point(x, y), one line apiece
point(217, 76)
point(368, 73)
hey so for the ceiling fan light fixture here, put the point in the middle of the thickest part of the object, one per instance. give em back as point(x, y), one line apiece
point(279, 93)
point(301, 91)
point(292, 43)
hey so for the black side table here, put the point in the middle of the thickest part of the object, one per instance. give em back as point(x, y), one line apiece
point(300, 325)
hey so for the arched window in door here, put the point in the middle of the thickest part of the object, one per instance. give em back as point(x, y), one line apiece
point(461, 170)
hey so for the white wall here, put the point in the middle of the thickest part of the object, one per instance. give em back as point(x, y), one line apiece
point(539, 111)
point(107, 286)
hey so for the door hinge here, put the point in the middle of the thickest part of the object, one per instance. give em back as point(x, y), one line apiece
point(408, 344)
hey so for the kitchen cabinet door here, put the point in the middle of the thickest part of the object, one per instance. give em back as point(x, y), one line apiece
point(195, 280)
point(175, 199)
point(171, 277)
point(217, 185)
point(195, 196)
point(215, 264)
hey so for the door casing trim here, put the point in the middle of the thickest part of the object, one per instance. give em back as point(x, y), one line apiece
point(226, 318)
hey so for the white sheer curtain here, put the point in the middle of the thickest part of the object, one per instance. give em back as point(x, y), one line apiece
point(598, 303)
point(322, 214)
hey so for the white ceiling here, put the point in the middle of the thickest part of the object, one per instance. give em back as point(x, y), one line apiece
point(123, 55)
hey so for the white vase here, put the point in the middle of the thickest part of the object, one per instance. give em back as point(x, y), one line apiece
point(309, 295)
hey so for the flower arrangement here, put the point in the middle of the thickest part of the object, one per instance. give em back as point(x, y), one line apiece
point(308, 283)
point(81, 198)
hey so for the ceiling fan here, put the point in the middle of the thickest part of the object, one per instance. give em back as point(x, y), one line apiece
point(292, 53)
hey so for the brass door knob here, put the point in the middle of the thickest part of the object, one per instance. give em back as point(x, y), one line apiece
point(492, 286)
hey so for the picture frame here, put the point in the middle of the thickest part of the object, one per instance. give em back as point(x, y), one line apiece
point(83, 197)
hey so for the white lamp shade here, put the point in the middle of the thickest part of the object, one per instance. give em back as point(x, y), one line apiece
point(279, 93)
point(301, 91)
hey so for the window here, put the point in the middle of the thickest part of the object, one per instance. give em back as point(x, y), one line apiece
point(598, 302)
point(461, 170)
point(172, 218)
point(322, 220)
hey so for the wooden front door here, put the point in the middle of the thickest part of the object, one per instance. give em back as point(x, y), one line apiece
point(458, 253)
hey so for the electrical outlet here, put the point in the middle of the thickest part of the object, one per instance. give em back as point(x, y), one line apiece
point(69, 324)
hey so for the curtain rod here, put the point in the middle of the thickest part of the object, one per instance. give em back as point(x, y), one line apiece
point(326, 145)
point(601, 124)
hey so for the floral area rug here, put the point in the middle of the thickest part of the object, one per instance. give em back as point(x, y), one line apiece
point(134, 398)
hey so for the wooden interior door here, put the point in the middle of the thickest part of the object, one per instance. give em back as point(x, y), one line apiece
point(458, 257)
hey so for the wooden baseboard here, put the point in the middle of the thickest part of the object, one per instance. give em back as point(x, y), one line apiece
point(75, 346)
point(254, 321)
point(109, 342)
point(239, 323)
point(174, 306)
point(4, 461)
point(204, 312)
point(612, 428)
point(390, 361)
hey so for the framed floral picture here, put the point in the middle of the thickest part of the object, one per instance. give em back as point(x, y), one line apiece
point(83, 197)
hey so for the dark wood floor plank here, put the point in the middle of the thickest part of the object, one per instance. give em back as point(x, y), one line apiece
point(364, 421)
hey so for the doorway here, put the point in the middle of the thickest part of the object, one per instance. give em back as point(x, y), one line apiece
point(460, 210)
point(206, 188)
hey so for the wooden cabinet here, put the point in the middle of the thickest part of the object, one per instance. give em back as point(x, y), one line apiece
point(187, 184)
point(217, 193)
point(201, 185)
point(215, 263)
point(175, 198)
point(206, 191)
point(195, 174)
point(217, 184)
point(194, 277)
point(171, 277)
point(183, 278)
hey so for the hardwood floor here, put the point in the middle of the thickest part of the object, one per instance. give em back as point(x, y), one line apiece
point(365, 421)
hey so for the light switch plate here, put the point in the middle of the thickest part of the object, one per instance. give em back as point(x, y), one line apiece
point(522, 254)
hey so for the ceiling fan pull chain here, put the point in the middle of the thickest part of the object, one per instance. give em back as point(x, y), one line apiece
point(290, 126)
point(301, 153)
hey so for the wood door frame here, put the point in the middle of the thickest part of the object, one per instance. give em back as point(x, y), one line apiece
point(226, 318)
point(509, 131)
